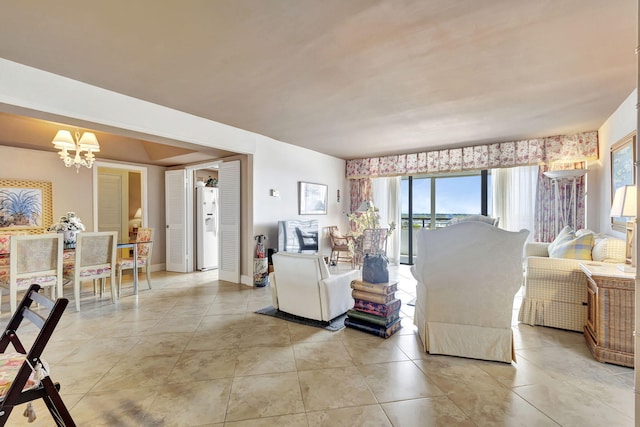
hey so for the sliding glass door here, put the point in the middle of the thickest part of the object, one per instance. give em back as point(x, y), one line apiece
point(432, 201)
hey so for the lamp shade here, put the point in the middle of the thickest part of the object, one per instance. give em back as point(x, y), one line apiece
point(89, 142)
point(138, 214)
point(63, 139)
point(624, 202)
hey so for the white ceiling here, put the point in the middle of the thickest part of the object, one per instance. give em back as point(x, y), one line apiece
point(350, 78)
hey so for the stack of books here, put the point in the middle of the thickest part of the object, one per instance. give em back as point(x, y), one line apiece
point(376, 309)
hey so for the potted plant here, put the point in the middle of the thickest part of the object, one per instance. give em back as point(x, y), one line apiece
point(364, 219)
point(69, 225)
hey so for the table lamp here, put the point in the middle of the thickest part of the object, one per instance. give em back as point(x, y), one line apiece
point(624, 205)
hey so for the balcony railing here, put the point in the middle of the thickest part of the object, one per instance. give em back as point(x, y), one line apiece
point(420, 221)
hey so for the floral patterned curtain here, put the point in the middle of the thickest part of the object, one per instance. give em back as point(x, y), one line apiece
point(562, 148)
point(545, 212)
point(360, 191)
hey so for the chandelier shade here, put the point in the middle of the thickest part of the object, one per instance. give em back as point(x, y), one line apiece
point(84, 147)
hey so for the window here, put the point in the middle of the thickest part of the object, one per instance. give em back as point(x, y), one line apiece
point(432, 201)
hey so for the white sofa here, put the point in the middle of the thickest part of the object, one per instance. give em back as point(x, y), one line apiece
point(555, 292)
point(468, 274)
point(302, 285)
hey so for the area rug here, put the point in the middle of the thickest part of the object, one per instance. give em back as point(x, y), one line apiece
point(334, 326)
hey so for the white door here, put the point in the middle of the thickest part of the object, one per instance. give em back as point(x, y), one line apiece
point(109, 202)
point(175, 211)
point(229, 184)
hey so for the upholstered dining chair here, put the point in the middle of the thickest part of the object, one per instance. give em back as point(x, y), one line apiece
point(34, 259)
point(95, 259)
point(144, 246)
point(340, 244)
point(5, 246)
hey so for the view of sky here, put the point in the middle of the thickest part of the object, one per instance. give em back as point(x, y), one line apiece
point(454, 195)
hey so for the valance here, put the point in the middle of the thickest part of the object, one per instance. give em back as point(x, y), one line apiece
point(554, 149)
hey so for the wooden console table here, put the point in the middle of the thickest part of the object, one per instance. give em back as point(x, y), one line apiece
point(610, 313)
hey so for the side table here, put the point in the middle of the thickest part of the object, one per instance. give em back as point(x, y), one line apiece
point(610, 313)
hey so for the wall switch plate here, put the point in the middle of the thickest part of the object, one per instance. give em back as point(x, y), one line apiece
point(275, 193)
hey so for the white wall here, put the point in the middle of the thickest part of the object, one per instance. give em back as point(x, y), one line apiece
point(620, 124)
point(280, 166)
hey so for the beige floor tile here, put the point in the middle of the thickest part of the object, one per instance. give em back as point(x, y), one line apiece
point(265, 360)
point(435, 411)
point(214, 339)
point(270, 335)
point(370, 415)
point(264, 396)
point(398, 381)
point(570, 406)
point(457, 374)
point(204, 365)
point(334, 388)
point(366, 351)
point(151, 372)
point(159, 345)
point(320, 355)
point(615, 391)
point(127, 408)
point(516, 374)
point(190, 404)
point(295, 420)
point(183, 324)
point(499, 407)
point(302, 333)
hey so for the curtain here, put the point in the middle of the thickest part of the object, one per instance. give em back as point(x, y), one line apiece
point(549, 150)
point(546, 209)
point(386, 197)
point(514, 197)
point(359, 191)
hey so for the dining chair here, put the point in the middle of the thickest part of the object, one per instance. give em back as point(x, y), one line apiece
point(34, 259)
point(144, 245)
point(95, 259)
point(5, 246)
point(340, 243)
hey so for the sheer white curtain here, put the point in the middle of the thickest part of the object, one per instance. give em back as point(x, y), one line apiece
point(514, 197)
point(386, 197)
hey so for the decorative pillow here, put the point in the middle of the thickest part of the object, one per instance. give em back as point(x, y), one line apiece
point(609, 249)
point(565, 234)
point(576, 248)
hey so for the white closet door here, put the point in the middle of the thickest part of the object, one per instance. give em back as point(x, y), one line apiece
point(175, 211)
point(229, 184)
point(109, 202)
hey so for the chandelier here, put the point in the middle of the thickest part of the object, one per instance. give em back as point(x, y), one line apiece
point(84, 148)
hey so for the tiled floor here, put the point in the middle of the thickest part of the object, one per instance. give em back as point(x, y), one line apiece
point(191, 352)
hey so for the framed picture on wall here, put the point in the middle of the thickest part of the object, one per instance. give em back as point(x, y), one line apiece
point(25, 206)
point(623, 154)
point(312, 199)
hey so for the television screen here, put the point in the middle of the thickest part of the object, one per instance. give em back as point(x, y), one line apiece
point(299, 236)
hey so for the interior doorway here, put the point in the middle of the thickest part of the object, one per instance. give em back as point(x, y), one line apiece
point(120, 199)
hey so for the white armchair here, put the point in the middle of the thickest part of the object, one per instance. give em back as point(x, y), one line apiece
point(302, 285)
point(468, 275)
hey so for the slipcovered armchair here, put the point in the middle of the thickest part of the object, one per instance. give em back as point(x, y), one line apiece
point(468, 275)
point(302, 285)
